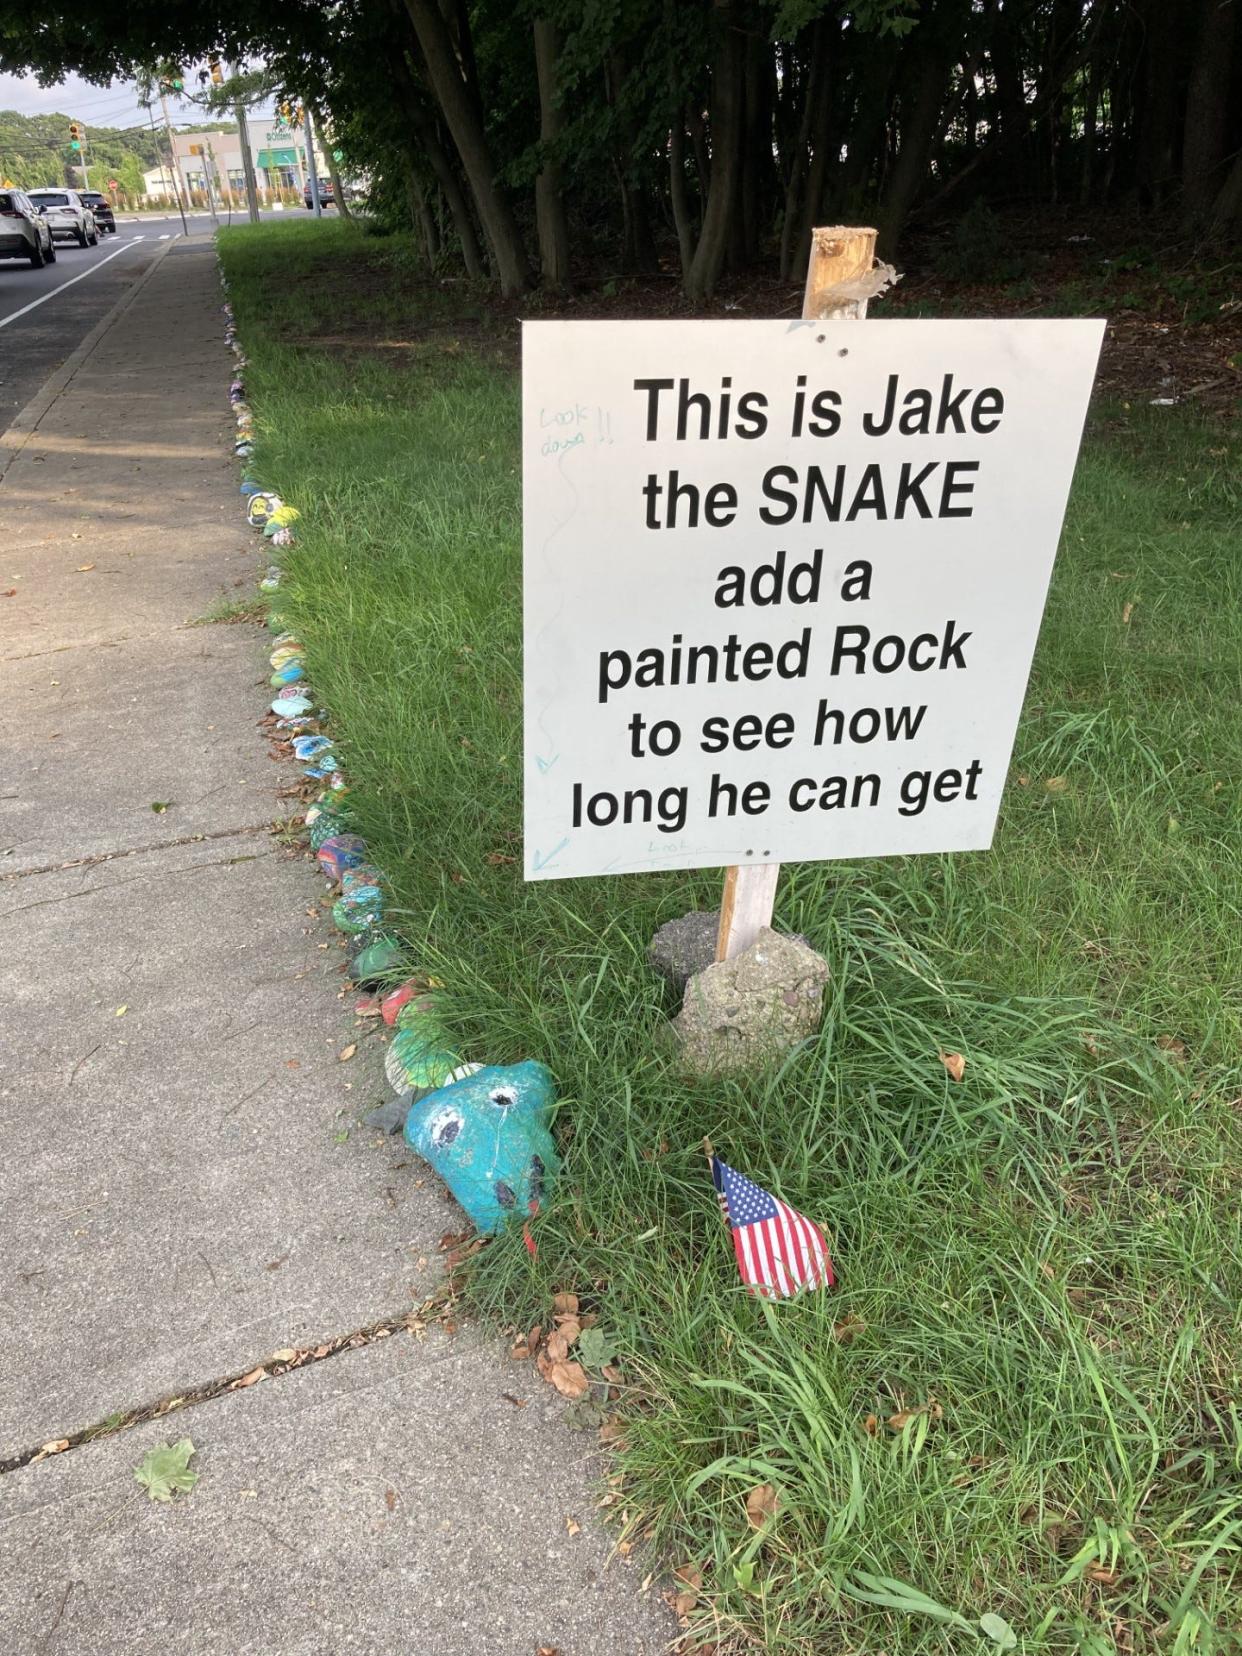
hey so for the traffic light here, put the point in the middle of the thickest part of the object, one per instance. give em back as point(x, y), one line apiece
point(217, 74)
point(75, 135)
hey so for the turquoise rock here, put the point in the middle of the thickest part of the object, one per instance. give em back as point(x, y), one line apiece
point(289, 707)
point(363, 874)
point(372, 964)
point(309, 747)
point(488, 1138)
point(290, 673)
point(325, 826)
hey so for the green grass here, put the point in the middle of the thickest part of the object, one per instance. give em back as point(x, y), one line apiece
point(1045, 1258)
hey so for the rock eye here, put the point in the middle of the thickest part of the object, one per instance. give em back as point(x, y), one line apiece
point(504, 1195)
point(445, 1128)
point(502, 1098)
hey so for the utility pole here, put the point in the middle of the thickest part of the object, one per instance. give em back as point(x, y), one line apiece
point(310, 162)
point(243, 134)
point(172, 156)
point(209, 166)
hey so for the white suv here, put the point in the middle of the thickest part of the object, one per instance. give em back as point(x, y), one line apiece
point(67, 215)
point(24, 232)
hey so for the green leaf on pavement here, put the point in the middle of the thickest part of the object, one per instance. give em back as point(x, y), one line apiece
point(163, 1471)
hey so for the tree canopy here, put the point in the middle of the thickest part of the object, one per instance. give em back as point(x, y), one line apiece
point(715, 131)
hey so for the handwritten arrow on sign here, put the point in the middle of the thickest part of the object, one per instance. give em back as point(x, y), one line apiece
point(540, 861)
point(545, 765)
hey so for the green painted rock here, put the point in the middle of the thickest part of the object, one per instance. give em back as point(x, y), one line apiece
point(376, 960)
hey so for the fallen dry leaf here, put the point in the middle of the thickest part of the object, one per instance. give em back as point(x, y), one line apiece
point(520, 1349)
point(902, 1418)
point(762, 1504)
point(82, 568)
point(56, 1447)
point(10, 592)
point(346, 1053)
point(569, 1379)
point(565, 1305)
point(556, 1347)
point(534, 1337)
point(848, 1327)
point(871, 1425)
point(250, 1379)
point(569, 1329)
point(1126, 613)
point(390, 1499)
point(121, 1011)
point(691, 1579)
point(1056, 784)
point(518, 1402)
point(954, 1063)
point(548, 1650)
point(286, 1354)
point(1176, 1049)
point(572, 1526)
point(293, 1063)
point(1106, 1578)
point(612, 1430)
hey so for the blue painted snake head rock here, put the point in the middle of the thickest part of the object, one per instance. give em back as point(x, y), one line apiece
point(487, 1137)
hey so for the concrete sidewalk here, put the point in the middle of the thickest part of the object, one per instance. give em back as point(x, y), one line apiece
point(185, 1188)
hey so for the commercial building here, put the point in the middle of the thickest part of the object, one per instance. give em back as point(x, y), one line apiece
point(277, 149)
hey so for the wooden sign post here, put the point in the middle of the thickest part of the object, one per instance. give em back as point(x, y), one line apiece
point(840, 278)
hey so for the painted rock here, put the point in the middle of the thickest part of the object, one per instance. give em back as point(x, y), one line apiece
point(340, 852)
point(260, 508)
point(250, 487)
point(283, 537)
point(288, 707)
point(327, 825)
point(290, 673)
point(286, 652)
point(487, 1137)
point(409, 1064)
point(271, 580)
point(321, 770)
point(284, 638)
point(373, 963)
point(363, 875)
point(359, 910)
point(308, 747)
point(285, 515)
point(243, 450)
point(395, 999)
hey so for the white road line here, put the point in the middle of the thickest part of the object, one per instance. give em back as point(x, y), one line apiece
point(165, 236)
point(35, 303)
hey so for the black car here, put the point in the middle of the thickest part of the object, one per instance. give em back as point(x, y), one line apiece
point(327, 195)
point(105, 218)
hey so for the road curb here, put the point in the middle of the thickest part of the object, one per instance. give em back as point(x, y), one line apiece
point(28, 419)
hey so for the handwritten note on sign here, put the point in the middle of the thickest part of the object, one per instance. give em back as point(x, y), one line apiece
point(783, 582)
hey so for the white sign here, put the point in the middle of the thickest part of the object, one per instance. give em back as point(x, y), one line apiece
point(783, 582)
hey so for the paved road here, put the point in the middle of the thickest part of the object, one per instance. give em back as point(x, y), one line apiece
point(45, 314)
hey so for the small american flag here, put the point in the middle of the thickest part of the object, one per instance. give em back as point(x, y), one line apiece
point(779, 1251)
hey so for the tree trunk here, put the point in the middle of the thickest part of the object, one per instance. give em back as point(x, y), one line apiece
point(1226, 222)
point(462, 119)
point(1156, 129)
point(702, 160)
point(550, 220)
point(728, 98)
point(926, 84)
point(1206, 135)
point(678, 194)
point(342, 206)
point(812, 131)
point(441, 164)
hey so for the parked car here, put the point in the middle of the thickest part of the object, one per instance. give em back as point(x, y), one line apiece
point(24, 232)
point(327, 195)
point(67, 215)
point(101, 207)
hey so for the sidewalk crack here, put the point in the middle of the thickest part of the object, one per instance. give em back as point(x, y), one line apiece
point(139, 850)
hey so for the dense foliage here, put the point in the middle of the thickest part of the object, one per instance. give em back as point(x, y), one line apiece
point(34, 150)
point(517, 134)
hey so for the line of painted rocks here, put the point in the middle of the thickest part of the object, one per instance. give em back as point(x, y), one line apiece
point(486, 1131)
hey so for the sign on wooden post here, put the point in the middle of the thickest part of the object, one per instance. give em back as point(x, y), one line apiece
point(783, 580)
point(840, 278)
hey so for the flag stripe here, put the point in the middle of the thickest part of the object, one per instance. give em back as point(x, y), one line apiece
point(779, 1251)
